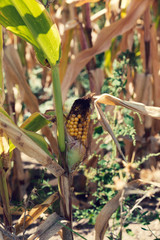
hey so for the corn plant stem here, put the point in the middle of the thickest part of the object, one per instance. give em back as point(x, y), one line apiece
point(1, 73)
point(59, 109)
point(65, 199)
point(5, 197)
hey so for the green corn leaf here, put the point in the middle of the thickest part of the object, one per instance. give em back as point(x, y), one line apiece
point(5, 114)
point(35, 122)
point(39, 140)
point(29, 20)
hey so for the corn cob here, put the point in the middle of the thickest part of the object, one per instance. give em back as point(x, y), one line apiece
point(77, 122)
point(77, 125)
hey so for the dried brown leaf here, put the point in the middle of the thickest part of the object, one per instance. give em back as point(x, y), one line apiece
point(97, 76)
point(134, 106)
point(155, 65)
point(107, 127)
point(82, 2)
point(127, 41)
point(104, 216)
point(103, 42)
point(111, 206)
point(28, 218)
point(15, 73)
point(143, 93)
point(79, 3)
point(49, 228)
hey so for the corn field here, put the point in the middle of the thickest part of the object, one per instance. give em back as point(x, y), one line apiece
point(79, 119)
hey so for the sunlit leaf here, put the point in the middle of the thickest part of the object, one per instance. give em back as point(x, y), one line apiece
point(35, 122)
point(39, 140)
point(30, 21)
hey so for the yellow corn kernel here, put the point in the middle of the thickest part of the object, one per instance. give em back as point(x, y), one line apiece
point(79, 116)
point(76, 129)
point(83, 137)
point(74, 126)
point(80, 133)
point(76, 119)
point(80, 125)
point(71, 129)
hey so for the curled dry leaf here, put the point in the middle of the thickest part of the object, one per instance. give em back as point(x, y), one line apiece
point(134, 106)
point(136, 9)
point(107, 127)
point(29, 147)
point(28, 218)
point(108, 99)
point(104, 216)
point(111, 206)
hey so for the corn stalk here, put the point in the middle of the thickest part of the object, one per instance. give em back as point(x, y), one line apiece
point(4, 156)
point(64, 180)
point(30, 21)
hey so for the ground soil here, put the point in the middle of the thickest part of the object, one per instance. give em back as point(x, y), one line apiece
point(85, 231)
